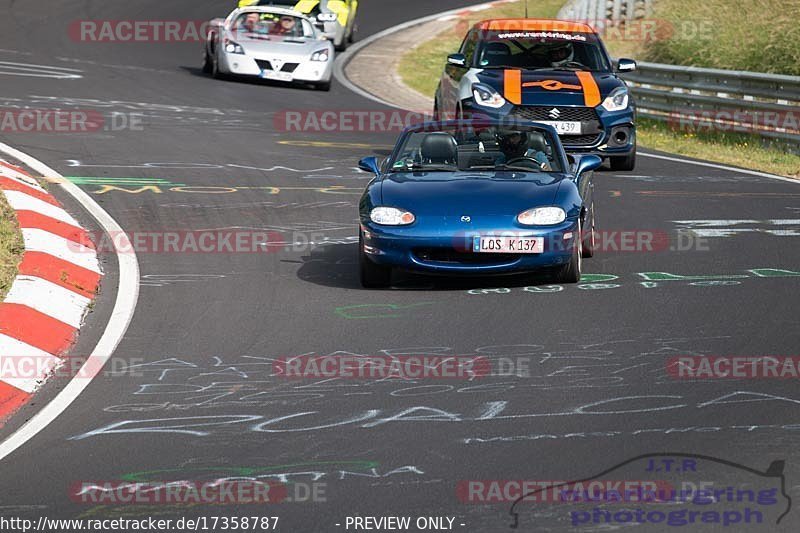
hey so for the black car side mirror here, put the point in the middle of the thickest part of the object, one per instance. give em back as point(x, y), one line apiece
point(459, 60)
point(369, 164)
point(626, 65)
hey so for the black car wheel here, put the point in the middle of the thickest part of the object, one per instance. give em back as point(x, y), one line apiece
point(571, 272)
point(215, 72)
point(206, 62)
point(627, 162)
point(588, 239)
point(373, 276)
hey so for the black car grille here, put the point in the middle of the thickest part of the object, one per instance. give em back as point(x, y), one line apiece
point(580, 140)
point(451, 255)
point(567, 114)
point(263, 64)
point(586, 115)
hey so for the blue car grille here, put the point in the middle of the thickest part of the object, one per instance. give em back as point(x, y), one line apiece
point(451, 255)
point(587, 115)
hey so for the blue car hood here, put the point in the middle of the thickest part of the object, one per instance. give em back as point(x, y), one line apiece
point(551, 87)
point(443, 194)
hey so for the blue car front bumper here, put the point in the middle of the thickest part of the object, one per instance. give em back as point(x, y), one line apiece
point(451, 252)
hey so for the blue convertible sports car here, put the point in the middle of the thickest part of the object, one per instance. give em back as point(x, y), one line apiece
point(477, 197)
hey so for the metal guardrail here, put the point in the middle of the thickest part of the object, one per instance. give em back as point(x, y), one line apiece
point(720, 100)
point(616, 10)
point(767, 105)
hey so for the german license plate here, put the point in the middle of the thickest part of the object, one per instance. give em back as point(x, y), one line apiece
point(276, 75)
point(564, 128)
point(508, 245)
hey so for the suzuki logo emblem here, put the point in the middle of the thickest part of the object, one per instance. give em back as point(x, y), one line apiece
point(277, 64)
point(466, 219)
point(554, 113)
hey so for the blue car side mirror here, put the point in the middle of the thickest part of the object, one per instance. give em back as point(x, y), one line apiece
point(369, 164)
point(588, 163)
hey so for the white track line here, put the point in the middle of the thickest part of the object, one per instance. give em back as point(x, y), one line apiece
point(48, 298)
point(718, 166)
point(21, 201)
point(121, 315)
point(39, 240)
point(28, 364)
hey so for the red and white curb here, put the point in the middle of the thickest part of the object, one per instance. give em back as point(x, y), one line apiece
point(57, 280)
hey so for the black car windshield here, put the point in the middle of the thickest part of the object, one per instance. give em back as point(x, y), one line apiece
point(541, 50)
point(477, 148)
point(272, 26)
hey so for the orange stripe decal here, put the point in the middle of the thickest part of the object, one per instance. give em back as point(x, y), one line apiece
point(591, 93)
point(512, 86)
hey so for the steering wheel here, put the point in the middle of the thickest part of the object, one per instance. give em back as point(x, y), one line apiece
point(525, 159)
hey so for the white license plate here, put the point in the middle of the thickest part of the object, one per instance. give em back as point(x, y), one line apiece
point(564, 128)
point(508, 245)
point(276, 75)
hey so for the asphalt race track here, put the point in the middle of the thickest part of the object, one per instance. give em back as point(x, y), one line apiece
point(593, 389)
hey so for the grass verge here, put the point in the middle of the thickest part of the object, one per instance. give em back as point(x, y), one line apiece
point(11, 246)
point(421, 67)
point(735, 149)
point(754, 35)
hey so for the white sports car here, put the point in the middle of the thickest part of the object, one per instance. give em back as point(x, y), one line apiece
point(271, 43)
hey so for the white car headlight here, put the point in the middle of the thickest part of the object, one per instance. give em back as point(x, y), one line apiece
point(320, 55)
point(487, 97)
point(617, 100)
point(327, 17)
point(233, 47)
point(391, 216)
point(542, 216)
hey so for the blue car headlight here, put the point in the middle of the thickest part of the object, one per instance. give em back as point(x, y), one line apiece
point(391, 216)
point(320, 55)
point(486, 96)
point(617, 100)
point(542, 216)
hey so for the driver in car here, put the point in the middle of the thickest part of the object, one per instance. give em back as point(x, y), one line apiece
point(285, 26)
point(516, 150)
point(561, 56)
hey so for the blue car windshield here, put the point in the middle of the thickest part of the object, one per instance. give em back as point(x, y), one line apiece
point(489, 148)
point(541, 50)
